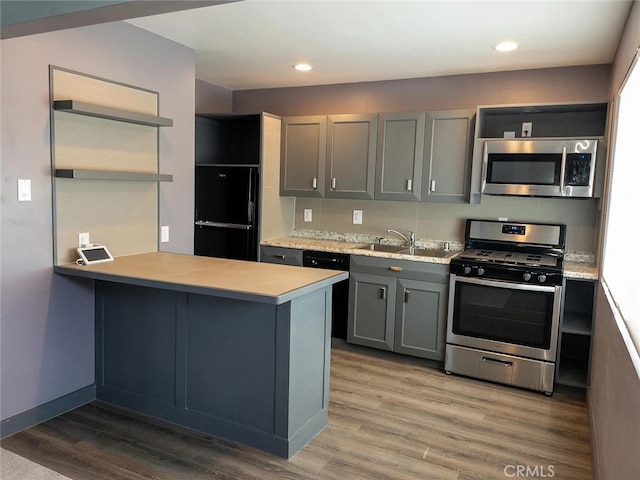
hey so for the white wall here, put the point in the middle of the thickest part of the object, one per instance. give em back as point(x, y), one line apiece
point(47, 321)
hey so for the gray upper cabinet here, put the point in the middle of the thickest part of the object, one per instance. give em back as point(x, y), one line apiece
point(351, 156)
point(304, 143)
point(448, 145)
point(400, 156)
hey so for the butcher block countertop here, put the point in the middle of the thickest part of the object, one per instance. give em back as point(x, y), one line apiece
point(252, 281)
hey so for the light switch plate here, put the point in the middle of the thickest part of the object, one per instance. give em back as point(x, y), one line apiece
point(164, 233)
point(24, 190)
point(308, 215)
point(357, 217)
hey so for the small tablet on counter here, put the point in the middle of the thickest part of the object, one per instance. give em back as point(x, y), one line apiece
point(94, 254)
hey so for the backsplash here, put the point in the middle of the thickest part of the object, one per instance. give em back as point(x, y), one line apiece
point(439, 223)
point(387, 239)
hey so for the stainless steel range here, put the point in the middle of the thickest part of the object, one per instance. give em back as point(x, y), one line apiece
point(504, 305)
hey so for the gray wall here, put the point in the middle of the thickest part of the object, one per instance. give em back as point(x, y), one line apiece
point(614, 396)
point(47, 321)
point(213, 99)
point(441, 221)
point(571, 84)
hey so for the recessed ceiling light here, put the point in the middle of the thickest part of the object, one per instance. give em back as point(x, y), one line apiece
point(303, 67)
point(506, 46)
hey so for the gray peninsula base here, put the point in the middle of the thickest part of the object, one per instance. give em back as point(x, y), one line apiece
point(249, 372)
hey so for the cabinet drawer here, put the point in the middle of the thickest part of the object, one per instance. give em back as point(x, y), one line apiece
point(428, 272)
point(281, 255)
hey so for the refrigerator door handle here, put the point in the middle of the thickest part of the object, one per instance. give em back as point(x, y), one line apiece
point(206, 223)
point(251, 204)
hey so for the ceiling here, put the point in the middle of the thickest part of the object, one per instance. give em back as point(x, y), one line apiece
point(255, 43)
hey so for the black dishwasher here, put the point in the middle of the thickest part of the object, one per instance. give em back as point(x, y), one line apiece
point(340, 293)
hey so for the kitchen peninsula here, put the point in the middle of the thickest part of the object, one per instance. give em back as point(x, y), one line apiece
point(235, 349)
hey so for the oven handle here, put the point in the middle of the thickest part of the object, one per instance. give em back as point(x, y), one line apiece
point(509, 285)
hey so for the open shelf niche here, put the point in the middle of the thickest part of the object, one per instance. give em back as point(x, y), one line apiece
point(104, 160)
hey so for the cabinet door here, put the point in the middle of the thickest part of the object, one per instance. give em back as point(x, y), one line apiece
point(400, 156)
point(304, 144)
point(421, 319)
point(448, 141)
point(371, 310)
point(351, 156)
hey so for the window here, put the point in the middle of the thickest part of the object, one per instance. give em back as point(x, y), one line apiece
point(621, 260)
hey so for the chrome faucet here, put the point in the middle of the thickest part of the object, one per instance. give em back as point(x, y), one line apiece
point(411, 239)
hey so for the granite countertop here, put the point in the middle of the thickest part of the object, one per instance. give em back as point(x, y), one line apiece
point(243, 280)
point(580, 270)
point(576, 266)
point(351, 248)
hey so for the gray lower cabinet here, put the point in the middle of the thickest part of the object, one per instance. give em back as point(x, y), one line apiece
point(303, 152)
point(400, 156)
point(420, 319)
point(398, 305)
point(448, 152)
point(281, 255)
point(351, 156)
point(371, 310)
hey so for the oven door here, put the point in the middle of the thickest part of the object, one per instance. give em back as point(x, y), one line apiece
point(504, 317)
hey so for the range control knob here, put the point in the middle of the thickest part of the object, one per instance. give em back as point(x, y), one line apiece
point(480, 271)
point(526, 276)
point(542, 278)
point(467, 269)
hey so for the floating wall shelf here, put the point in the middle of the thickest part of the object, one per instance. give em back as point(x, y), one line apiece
point(93, 110)
point(111, 175)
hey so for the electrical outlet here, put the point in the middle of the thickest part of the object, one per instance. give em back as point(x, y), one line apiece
point(503, 219)
point(526, 129)
point(83, 239)
point(357, 217)
point(308, 215)
point(164, 233)
point(24, 190)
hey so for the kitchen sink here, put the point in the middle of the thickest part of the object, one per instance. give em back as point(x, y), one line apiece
point(376, 247)
point(428, 252)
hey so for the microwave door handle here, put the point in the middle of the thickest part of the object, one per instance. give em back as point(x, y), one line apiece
point(563, 166)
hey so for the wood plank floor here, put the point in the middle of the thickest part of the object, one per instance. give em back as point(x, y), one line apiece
point(388, 419)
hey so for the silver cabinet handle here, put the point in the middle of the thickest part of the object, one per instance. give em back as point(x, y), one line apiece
point(433, 185)
point(409, 185)
point(383, 293)
point(407, 294)
point(314, 183)
point(280, 256)
point(395, 269)
point(333, 183)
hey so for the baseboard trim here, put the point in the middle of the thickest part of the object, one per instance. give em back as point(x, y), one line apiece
point(47, 411)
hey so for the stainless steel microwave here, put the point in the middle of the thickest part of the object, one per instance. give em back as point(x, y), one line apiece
point(539, 168)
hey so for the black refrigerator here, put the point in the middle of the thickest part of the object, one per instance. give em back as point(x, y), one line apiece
point(226, 211)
